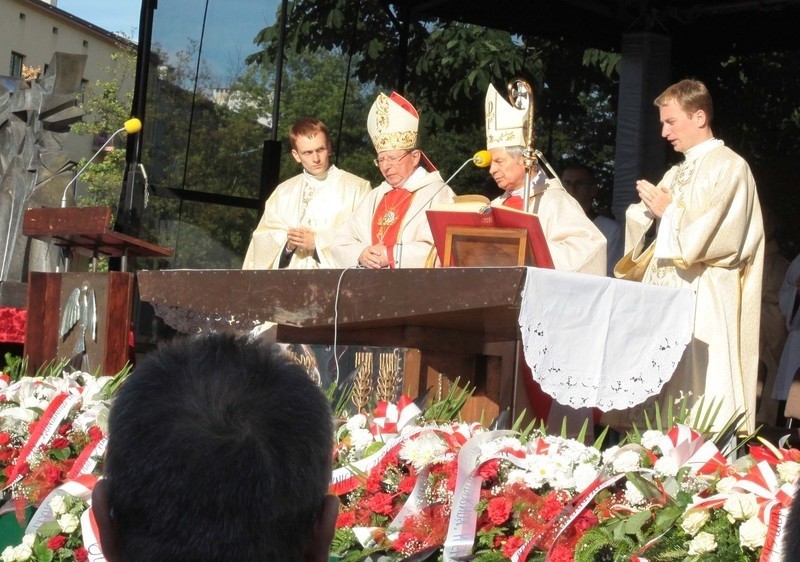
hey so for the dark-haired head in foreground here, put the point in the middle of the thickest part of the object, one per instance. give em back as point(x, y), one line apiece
point(219, 450)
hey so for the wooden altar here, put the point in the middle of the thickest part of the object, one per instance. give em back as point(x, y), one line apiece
point(451, 318)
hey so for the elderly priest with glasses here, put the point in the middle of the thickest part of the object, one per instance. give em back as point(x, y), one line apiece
point(389, 229)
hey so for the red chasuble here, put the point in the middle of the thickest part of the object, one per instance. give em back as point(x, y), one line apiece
point(515, 202)
point(389, 216)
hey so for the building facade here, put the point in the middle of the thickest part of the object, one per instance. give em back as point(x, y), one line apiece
point(32, 30)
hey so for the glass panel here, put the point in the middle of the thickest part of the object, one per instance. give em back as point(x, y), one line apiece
point(207, 113)
point(202, 235)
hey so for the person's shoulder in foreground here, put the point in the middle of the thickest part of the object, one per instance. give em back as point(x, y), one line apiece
point(219, 450)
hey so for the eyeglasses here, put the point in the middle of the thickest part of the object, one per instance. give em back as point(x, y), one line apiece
point(389, 159)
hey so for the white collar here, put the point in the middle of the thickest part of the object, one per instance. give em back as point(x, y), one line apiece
point(702, 149)
point(332, 174)
point(536, 181)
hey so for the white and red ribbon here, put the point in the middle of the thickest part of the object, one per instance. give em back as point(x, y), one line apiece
point(44, 429)
point(390, 419)
point(687, 447)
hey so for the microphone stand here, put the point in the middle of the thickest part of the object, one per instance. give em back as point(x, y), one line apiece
point(476, 160)
point(75, 178)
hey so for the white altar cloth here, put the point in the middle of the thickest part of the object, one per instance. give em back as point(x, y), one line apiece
point(593, 341)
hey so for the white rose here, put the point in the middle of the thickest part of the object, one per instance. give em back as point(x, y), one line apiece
point(22, 553)
point(8, 554)
point(58, 506)
point(752, 533)
point(693, 520)
point(788, 471)
point(741, 506)
point(68, 522)
point(702, 543)
point(626, 461)
point(29, 539)
point(725, 485)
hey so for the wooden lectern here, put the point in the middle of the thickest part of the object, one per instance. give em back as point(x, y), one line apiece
point(82, 315)
point(449, 318)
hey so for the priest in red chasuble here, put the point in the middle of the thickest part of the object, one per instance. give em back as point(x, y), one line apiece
point(389, 229)
point(710, 237)
point(575, 242)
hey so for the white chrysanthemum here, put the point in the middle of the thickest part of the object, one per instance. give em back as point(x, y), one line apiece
point(650, 438)
point(626, 461)
point(584, 474)
point(360, 439)
point(609, 454)
point(540, 471)
point(666, 466)
point(752, 533)
point(8, 554)
point(58, 505)
point(788, 471)
point(741, 506)
point(702, 543)
point(426, 449)
point(358, 421)
point(693, 521)
point(633, 495)
point(516, 476)
point(68, 522)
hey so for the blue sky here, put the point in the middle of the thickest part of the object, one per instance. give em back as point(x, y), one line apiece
point(231, 26)
point(118, 16)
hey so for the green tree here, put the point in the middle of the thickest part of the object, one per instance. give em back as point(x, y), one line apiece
point(107, 105)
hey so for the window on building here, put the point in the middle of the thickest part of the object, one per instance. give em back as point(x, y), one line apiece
point(84, 85)
point(16, 64)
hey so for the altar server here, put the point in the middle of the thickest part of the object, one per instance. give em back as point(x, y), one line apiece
point(301, 215)
point(710, 237)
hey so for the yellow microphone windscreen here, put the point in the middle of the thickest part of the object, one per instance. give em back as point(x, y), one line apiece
point(482, 158)
point(133, 125)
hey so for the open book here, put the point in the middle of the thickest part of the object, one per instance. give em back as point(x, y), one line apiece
point(473, 233)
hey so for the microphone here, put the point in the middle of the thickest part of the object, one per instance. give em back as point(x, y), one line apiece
point(131, 126)
point(481, 159)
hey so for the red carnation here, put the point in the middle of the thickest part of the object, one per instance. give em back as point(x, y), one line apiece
point(586, 521)
point(381, 503)
point(5, 438)
point(512, 545)
point(80, 554)
point(562, 553)
point(56, 542)
point(499, 510)
point(95, 433)
point(345, 519)
point(488, 470)
point(551, 508)
point(406, 486)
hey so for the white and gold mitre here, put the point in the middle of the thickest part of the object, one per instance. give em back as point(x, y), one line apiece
point(392, 123)
point(503, 121)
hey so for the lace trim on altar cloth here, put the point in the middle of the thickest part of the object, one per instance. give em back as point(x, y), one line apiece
point(188, 321)
point(593, 341)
